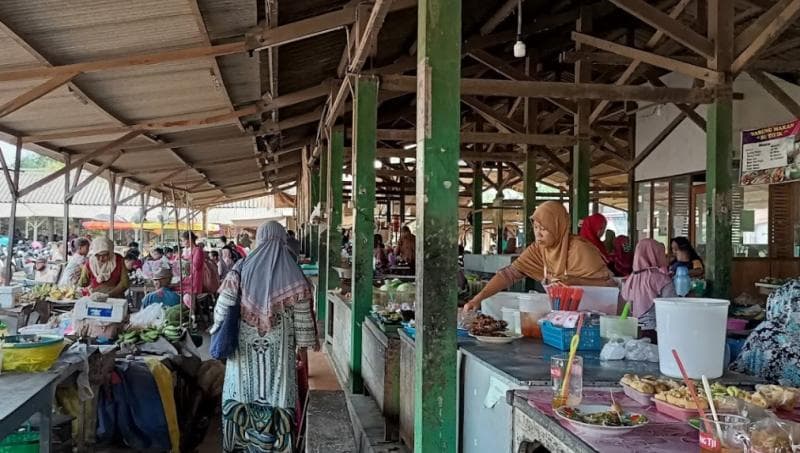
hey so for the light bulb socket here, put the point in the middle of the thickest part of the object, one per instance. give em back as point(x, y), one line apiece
point(519, 49)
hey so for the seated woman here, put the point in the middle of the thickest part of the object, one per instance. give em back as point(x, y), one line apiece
point(648, 281)
point(772, 350)
point(154, 263)
point(621, 259)
point(592, 229)
point(105, 271)
point(684, 255)
point(162, 294)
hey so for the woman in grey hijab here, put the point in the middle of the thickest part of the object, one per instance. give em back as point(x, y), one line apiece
point(277, 321)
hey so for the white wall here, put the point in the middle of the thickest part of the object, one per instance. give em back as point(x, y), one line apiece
point(684, 151)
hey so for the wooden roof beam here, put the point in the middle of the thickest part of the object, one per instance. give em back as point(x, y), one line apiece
point(670, 64)
point(555, 141)
point(562, 90)
point(35, 93)
point(667, 25)
point(785, 16)
point(658, 139)
point(776, 92)
point(499, 16)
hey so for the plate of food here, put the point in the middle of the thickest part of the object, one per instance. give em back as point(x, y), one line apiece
point(593, 419)
point(489, 330)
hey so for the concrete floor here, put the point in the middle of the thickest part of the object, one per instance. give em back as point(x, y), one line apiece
point(321, 377)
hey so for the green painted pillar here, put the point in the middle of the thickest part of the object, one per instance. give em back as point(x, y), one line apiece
point(477, 210)
point(719, 134)
point(322, 241)
point(313, 230)
point(438, 135)
point(335, 164)
point(582, 152)
point(365, 123)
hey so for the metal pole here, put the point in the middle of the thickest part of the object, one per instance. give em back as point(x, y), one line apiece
point(365, 123)
point(12, 220)
point(438, 128)
point(322, 252)
point(67, 201)
point(112, 179)
point(477, 207)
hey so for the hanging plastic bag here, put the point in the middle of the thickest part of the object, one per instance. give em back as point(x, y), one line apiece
point(151, 316)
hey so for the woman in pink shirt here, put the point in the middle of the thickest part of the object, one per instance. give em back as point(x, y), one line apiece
point(192, 282)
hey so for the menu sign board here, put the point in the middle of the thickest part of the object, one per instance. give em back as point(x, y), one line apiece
point(771, 154)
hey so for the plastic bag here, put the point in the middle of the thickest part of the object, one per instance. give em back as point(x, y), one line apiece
point(151, 316)
point(613, 350)
point(641, 350)
point(772, 435)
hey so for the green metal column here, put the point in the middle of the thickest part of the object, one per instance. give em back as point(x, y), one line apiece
point(365, 123)
point(582, 153)
point(335, 163)
point(438, 135)
point(477, 210)
point(314, 229)
point(322, 240)
point(719, 147)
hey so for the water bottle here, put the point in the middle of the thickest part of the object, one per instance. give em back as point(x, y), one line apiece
point(682, 281)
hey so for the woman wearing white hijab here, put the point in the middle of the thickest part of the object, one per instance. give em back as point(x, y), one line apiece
point(104, 271)
point(274, 300)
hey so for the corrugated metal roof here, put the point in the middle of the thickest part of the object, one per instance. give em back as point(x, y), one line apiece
point(95, 193)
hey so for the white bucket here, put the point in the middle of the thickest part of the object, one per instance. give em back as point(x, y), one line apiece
point(695, 327)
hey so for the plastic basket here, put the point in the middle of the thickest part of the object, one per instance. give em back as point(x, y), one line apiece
point(23, 441)
point(560, 338)
point(31, 357)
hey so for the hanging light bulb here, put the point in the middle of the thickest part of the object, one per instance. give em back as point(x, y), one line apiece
point(519, 46)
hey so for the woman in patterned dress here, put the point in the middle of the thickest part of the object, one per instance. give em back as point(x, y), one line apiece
point(277, 324)
point(772, 350)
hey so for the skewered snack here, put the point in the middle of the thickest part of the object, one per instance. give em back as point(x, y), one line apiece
point(648, 384)
point(486, 326)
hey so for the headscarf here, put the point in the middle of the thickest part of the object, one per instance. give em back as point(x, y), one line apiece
point(271, 279)
point(569, 256)
point(649, 276)
point(591, 228)
point(102, 271)
point(622, 258)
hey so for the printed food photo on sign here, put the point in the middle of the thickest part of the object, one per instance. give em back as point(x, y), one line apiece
point(771, 155)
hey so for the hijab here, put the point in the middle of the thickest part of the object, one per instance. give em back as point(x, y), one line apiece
point(102, 271)
point(569, 256)
point(622, 257)
point(271, 279)
point(591, 228)
point(649, 276)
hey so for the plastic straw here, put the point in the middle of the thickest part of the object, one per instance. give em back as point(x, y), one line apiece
point(692, 390)
point(710, 397)
point(625, 310)
point(573, 348)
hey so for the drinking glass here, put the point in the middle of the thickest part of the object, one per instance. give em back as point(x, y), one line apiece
point(558, 373)
point(730, 437)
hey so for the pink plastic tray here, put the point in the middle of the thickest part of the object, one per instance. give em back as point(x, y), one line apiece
point(642, 399)
point(675, 411)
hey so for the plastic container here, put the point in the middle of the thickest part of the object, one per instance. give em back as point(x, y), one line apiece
point(642, 399)
point(532, 308)
point(673, 411)
point(696, 328)
point(22, 441)
point(614, 327)
point(512, 317)
point(493, 306)
point(8, 295)
point(560, 338)
point(737, 324)
point(31, 357)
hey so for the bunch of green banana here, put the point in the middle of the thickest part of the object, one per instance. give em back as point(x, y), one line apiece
point(148, 335)
point(172, 333)
point(129, 337)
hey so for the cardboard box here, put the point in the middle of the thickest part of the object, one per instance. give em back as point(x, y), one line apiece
point(9, 295)
point(113, 310)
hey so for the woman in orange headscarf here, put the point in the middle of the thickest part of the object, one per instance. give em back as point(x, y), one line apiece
point(556, 256)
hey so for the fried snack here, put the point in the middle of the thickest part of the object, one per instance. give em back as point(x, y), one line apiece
point(486, 326)
point(648, 384)
point(681, 397)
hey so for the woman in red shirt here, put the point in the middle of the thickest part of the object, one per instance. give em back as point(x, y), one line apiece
point(192, 282)
point(104, 271)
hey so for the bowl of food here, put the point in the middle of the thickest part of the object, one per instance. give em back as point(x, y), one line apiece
point(599, 420)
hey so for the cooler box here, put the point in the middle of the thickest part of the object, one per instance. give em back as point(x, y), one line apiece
point(113, 310)
point(9, 295)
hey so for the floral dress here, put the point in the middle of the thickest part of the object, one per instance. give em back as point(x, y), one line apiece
point(772, 351)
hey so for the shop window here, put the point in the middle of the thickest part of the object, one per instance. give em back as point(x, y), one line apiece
point(643, 210)
point(750, 221)
point(661, 211)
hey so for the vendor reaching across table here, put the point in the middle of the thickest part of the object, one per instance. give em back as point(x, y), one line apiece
point(163, 294)
point(105, 271)
point(556, 256)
